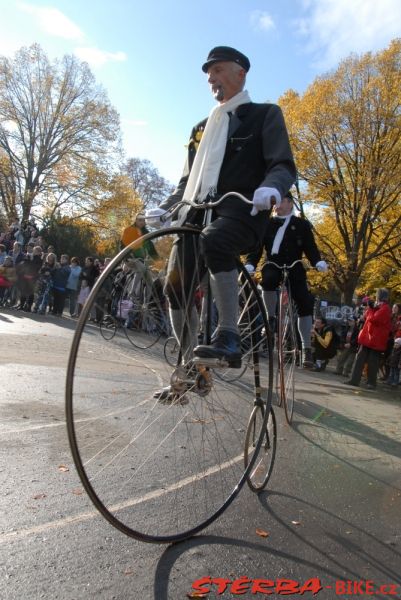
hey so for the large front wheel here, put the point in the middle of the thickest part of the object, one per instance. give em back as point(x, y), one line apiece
point(160, 467)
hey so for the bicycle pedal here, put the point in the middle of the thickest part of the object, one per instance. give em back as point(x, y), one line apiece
point(217, 363)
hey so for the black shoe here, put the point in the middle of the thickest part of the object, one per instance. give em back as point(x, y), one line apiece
point(307, 359)
point(225, 346)
point(370, 386)
point(350, 382)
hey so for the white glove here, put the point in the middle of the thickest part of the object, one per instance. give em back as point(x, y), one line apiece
point(156, 219)
point(250, 268)
point(321, 266)
point(262, 199)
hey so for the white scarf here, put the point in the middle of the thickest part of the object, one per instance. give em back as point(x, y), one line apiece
point(281, 231)
point(209, 156)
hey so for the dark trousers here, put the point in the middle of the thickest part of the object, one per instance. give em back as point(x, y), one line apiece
point(304, 300)
point(58, 301)
point(72, 298)
point(372, 358)
point(217, 248)
point(345, 361)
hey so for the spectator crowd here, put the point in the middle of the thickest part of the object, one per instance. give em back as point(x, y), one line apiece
point(34, 279)
point(368, 344)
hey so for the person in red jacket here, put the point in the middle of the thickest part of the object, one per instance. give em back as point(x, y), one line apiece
point(372, 339)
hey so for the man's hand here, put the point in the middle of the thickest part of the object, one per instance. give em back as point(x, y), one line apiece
point(156, 217)
point(264, 198)
point(321, 266)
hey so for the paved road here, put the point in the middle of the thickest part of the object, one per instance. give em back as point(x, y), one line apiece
point(332, 510)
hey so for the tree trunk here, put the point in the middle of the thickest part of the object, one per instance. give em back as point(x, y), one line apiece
point(347, 289)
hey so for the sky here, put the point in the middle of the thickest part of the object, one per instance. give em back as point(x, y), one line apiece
point(148, 54)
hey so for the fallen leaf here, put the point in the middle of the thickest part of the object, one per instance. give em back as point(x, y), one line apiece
point(78, 491)
point(197, 594)
point(39, 496)
point(128, 572)
point(262, 533)
point(296, 522)
point(63, 468)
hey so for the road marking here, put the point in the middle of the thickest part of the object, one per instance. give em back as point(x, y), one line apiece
point(318, 415)
point(81, 518)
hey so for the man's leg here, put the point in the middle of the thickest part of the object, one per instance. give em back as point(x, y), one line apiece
point(304, 301)
point(221, 243)
point(347, 368)
point(184, 274)
point(373, 367)
point(359, 363)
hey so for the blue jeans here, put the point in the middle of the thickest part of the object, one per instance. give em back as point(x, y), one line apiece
point(394, 376)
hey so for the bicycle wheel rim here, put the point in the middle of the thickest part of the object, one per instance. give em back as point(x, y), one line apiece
point(287, 353)
point(263, 466)
point(108, 328)
point(171, 351)
point(162, 484)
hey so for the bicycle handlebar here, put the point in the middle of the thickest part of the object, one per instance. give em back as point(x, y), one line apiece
point(206, 205)
point(282, 267)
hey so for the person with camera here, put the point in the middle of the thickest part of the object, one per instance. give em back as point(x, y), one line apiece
point(324, 343)
point(372, 339)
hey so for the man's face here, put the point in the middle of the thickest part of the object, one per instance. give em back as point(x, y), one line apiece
point(225, 80)
point(318, 324)
point(140, 222)
point(284, 208)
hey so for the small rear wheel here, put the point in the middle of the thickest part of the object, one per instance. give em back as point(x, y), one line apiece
point(171, 351)
point(108, 327)
point(287, 353)
point(263, 466)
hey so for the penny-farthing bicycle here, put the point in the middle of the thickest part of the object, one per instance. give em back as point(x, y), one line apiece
point(161, 471)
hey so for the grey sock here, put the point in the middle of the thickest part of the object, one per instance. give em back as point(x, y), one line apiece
point(305, 328)
point(270, 301)
point(190, 339)
point(225, 292)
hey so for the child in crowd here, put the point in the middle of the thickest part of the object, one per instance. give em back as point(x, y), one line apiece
point(60, 277)
point(83, 295)
point(394, 362)
point(7, 279)
point(44, 285)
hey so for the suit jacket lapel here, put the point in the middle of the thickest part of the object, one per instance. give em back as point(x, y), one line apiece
point(237, 118)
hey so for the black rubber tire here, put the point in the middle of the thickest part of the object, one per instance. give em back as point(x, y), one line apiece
point(263, 467)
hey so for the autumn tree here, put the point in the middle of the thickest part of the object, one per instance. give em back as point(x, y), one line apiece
point(56, 126)
point(147, 182)
point(345, 133)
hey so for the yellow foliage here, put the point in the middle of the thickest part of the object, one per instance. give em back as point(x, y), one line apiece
point(345, 134)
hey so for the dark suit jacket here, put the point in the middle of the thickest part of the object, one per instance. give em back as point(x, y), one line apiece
point(298, 240)
point(257, 154)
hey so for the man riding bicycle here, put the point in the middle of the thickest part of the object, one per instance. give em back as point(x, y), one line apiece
point(287, 239)
point(242, 147)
